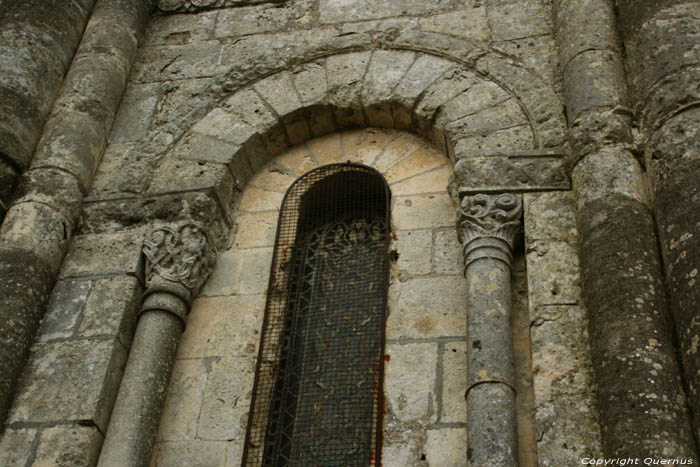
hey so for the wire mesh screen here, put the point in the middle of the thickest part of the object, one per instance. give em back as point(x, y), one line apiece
point(317, 398)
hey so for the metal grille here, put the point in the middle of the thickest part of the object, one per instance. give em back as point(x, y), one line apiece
point(318, 385)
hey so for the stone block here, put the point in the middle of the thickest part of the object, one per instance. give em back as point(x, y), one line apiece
point(594, 23)
point(410, 379)
point(367, 145)
point(256, 229)
point(454, 383)
point(424, 71)
point(225, 126)
point(256, 263)
point(181, 102)
point(345, 77)
point(518, 20)
point(433, 181)
point(609, 171)
point(65, 309)
point(72, 142)
point(447, 253)
point(326, 149)
point(480, 96)
point(180, 29)
point(423, 212)
point(310, 81)
point(111, 309)
point(517, 139)
point(553, 273)
point(447, 447)
point(226, 276)
point(298, 159)
point(68, 446)
point(73, 381)
point(227, 400)
point(37, 228)
point(16, 446)
point(124, 169)
point(223, 327)
point(278, 91)
point(471, 24)
point(205, 149)
point(413, 247)
point(189, 453)
point(184, 400)
point(497, 117)
point(450, 85)
point(176, 62)
point(385, 70)
point(136, 111)
point(594, 79)
point(54, 188)
point(420, 312)
point(538, 54)
point(251, 20)
point(550, 216)
point(273, 178)
point(175, 175)
point(420, 161)
point(106, 253)
point(566, 415)
point(340, 11)
point(524, 171)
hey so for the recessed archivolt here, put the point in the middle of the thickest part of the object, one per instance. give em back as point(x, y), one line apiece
point(462, 111)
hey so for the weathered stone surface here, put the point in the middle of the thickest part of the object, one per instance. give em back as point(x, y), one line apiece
point(450, 85)
point(256, 262)
point(447, 253)
point(594, 79)
point(23, 293)
point(135, 114)
point(52, 187)
point(567, 419)
point(446, 446)
point(554, 273)
point(68, 446)
point(251, 20)
point(471, 24)
point(176, 62)
point(423, 211)
point(633, 359)
point(386, 68)
point(609, 171)
point(256, 229)
point(106, 253)
point(335, 11)
point(111, 309)
point(413, 247)
point(65, 309)
point(36, 228)
point(432, 181)
point(549, 216)
point(585, 26)
point(495, 443)
point(227, 400)
point(517, 20)
point(345, 74)
point(525, 171)
point(71, 381)
point(517, 139)
point(187, 453)
point(180, 29)
point(7, 182)
point(16, 446)
point(223, 327)
point(454, 376)
point(410, 382)
point(184, 401)
point(421, 313)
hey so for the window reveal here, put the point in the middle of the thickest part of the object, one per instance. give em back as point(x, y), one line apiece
point(319, 376)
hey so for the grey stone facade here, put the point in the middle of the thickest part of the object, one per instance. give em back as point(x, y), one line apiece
point(126, 125)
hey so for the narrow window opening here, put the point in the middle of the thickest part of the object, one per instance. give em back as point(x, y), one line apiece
point(317, 398)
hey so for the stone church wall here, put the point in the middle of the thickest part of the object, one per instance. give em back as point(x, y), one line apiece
point(229, 103)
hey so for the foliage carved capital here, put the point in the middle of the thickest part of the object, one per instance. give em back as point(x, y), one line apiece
point(179, 258)
point(489, 217)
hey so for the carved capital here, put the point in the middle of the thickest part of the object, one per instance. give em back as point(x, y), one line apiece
point(179, 259)
point(488, 225)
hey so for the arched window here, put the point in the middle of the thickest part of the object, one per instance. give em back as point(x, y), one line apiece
point(317, 397)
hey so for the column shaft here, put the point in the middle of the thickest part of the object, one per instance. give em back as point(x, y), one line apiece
point(639, 390)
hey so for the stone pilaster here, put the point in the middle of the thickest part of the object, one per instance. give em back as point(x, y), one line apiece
point(487, 228)
point(179, 259)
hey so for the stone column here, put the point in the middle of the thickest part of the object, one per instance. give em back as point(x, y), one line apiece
point(639, 390)
point(487, 227)
point(178, 261)
point(38, 226)
point(663, 58)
